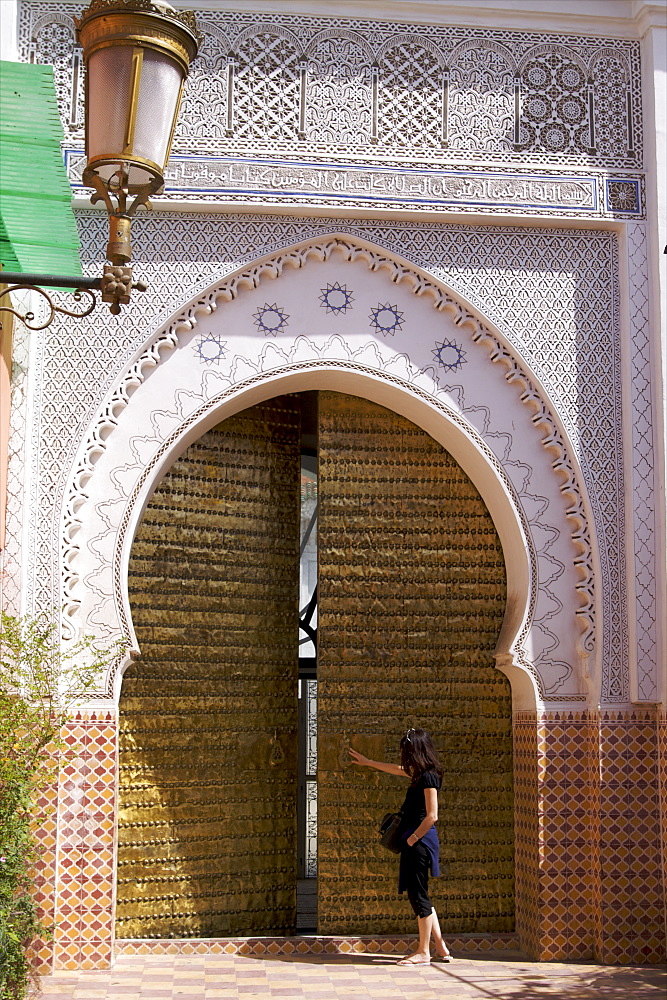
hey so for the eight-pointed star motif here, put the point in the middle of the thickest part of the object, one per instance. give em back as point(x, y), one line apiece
point(270, 319)
point(211, 349)
point(386, 319)
point(450, 355)
point(336, 298)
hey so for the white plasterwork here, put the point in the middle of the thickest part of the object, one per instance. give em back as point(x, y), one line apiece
point(404, 342)
point(552, 294)
point(326, 87)
point(645, 683)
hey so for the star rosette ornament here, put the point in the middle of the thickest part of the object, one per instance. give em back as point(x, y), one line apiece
point(449, 355)
point(386, 319)
point(336, 298)
point(211, 349)
point(271, 319)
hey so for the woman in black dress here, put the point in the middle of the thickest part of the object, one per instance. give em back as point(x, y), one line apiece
point(420, 850)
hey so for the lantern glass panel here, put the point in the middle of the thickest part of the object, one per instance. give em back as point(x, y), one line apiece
point(108, 101)
point(158, 99)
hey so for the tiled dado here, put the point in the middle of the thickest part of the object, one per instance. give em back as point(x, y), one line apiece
point(526, 828)
point(45, 831)
point(632, 897)
point(83, 933)
point(590, 836)
point(662, 789)
point(555, 759)
point(588, 849)
point(311, 945)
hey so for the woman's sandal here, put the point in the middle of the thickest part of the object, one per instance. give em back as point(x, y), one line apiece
point(412, 961)
point(443, 958)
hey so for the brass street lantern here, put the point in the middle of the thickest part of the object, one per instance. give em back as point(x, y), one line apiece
point(137, 55)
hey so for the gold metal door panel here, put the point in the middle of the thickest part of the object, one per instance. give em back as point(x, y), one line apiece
point(411, 600)
point(207, 839)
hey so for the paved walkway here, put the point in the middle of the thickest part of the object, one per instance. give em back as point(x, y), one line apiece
point(358, 977)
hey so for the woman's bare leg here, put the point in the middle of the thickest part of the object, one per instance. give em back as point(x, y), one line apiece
point(440, 946)
point(423, 952)
point(425, 925)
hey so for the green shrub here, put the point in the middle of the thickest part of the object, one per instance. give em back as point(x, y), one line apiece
point(38, 685)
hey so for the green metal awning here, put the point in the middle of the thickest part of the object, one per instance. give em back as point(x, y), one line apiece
point(37, 228)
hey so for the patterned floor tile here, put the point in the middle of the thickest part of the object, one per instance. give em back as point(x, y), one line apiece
point(353, 977)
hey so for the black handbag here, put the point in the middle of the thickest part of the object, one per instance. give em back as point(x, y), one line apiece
point(388, 832)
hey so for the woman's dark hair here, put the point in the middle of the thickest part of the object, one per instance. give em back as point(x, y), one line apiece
point(418, 754)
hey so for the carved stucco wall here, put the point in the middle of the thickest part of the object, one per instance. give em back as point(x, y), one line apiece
point(553, 295)
point(331, 111)
point(245, 336)
point(383, 90)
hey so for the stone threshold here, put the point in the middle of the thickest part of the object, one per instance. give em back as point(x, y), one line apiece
point(311, 944)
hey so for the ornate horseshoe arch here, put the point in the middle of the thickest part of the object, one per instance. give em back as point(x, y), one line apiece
point(356, 319)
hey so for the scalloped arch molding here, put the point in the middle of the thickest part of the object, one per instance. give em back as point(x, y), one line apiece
point(338, 312)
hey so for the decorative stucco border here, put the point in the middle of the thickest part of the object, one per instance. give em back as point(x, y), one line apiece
point(323, 186)
point(645, 683)
point(150, 472)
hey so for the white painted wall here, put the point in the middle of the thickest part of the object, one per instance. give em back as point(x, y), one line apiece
point(8, 30)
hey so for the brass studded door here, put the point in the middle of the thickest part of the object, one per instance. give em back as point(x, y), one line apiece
point(208, 716)
point(411, 600)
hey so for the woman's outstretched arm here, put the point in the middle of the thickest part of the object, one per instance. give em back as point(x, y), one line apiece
point(358, 758)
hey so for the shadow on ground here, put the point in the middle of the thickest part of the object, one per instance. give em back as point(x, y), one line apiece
point(521, 978)
point(596, 983)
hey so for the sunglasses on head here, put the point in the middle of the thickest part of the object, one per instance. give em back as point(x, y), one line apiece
point(407, 735)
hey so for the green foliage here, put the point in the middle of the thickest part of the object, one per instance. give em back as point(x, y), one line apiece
point(38, 685)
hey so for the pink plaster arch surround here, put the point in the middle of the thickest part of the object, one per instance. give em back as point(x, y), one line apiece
point(266, 330)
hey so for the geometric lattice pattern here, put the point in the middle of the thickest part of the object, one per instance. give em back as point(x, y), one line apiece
point(339, 92)
point(54, 45)
point(265, 85)
point(410, 105)
point(204, 105)
point(613, 126)
point(319, 85)
point(481, 98)
point(555, 104)
point(565, 344)
point(13, 555)
point(642, 468)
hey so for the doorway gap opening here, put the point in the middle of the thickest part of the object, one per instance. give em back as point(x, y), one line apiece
point(306, 894)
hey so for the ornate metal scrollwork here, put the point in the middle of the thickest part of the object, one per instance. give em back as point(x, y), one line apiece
point(28, 318)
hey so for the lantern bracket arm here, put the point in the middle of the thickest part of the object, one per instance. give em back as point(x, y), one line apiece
point(84, 288)
point(142, 197)
point(28, 318)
